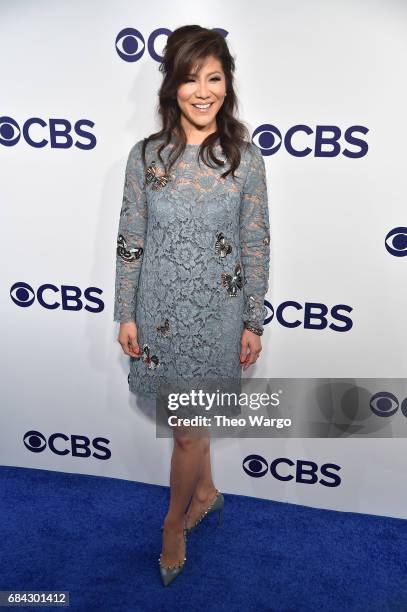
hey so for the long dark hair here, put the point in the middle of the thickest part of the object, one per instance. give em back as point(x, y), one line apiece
point(185, 47)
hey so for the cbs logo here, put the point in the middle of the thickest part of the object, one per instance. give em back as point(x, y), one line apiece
point(57, 133)
point(385, 404)
point(396, 241)
point(284, 469)
point(130, 43)
point(71, 298)
point(61, 444)
point(323, 138)
point(314, 315)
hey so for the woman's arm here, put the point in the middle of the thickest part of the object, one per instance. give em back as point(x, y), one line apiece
point(131, 237)
point(255, 242)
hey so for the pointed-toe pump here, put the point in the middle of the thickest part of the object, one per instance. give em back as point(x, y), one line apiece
point(170, 572)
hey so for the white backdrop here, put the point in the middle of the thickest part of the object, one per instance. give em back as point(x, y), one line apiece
point(313, 64)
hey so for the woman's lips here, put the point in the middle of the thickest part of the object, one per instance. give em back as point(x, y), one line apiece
point(203, 110)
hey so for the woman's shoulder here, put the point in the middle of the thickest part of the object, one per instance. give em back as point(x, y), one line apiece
point(250, 151)
point(136, 150)
point(251, 158)
point(137, 147)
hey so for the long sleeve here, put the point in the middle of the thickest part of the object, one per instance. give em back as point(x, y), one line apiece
point(255, 242)
point(130, 237)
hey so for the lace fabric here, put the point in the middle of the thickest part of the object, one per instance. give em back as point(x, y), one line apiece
point(255, 240)
point(192, 263)
point(131, 235)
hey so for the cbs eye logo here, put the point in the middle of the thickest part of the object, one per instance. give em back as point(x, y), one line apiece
point(396, 242)
point(269, 312)
point(131, 45)
point(324, 140)
point(61, 444)
point(385, 404)
point(285, 469)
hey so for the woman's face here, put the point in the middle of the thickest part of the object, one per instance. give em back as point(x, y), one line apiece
point(204, 88)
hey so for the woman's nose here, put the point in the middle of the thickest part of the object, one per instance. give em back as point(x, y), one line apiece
point(202, 90)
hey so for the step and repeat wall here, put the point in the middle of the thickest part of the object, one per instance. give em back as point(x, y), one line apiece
point(321, 89)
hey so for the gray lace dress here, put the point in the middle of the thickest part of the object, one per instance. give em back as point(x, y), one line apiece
point(192, 263)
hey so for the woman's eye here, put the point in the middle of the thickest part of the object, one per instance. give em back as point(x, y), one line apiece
point(213, 79)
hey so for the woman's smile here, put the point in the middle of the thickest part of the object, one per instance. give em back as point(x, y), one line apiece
point(202, 108)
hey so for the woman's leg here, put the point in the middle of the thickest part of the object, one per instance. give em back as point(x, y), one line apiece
point(186, 468)
point(204, 491)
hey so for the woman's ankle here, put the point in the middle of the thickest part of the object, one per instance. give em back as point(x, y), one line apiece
point(175, 523)
point(204, 493)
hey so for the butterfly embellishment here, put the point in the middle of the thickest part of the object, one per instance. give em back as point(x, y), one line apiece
point(233, 282)
point(157, 180)
point(222, 247)
point(164, 329)
point(254, 308)
point(251, 304)
point(152, 361)
point(124, 252)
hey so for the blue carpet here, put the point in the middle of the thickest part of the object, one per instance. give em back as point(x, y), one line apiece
point(99, 539)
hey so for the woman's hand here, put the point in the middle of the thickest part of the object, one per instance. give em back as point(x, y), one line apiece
point(252, 342)
point(127, 338)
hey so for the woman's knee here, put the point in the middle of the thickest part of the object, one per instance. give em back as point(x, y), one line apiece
point(190, 443)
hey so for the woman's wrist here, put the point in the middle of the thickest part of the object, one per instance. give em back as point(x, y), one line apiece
point(253, 328)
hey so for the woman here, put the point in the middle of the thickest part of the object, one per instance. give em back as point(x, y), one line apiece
point(192, 256)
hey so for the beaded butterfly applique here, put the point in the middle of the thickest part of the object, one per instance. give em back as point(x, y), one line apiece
point(234, 281)
point(126, 253)
point(157, 180)
point(222, 247)
point(253, 308)
point(152, 361)
point(164, 329)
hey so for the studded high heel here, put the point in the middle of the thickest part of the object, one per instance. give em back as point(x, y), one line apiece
point(170, 572)
point(217, 504)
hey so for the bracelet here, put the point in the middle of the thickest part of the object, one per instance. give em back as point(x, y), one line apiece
point(253, 328)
